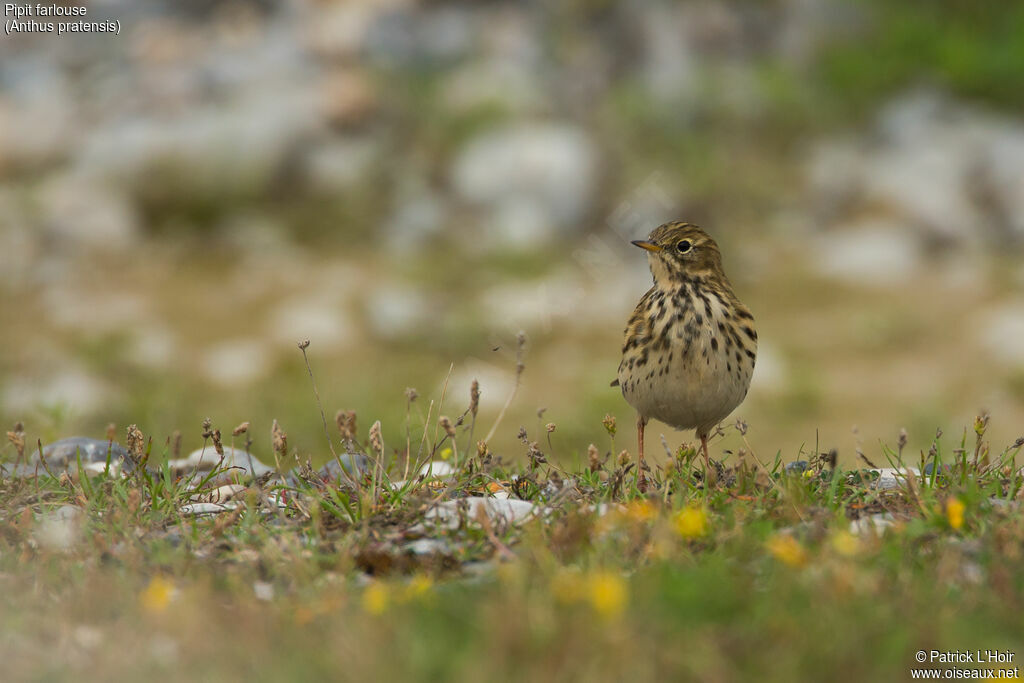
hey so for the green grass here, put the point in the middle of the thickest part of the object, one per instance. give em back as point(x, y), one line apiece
point(755, 575)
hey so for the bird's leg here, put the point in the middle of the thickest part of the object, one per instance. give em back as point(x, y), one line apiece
point(708, 475)
point(641, 422)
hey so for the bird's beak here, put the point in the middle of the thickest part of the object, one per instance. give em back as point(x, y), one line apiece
point(649, 246)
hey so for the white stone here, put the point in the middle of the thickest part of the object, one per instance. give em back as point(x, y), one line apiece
point(396, 311)
point(205, 459)
point(263, 590)
point(341, 164)
point(1001, 332)
point(437, 468)
point(868, 253)
point(872, 524)
point(80, 212)
point(199, 509)
point(317, 317)
point(514, 511)
point(221, 494)
point(893, 477)
point(771, 373)
point(236, 362)
point(59, 530)
point(544, 165)
point(67, 386)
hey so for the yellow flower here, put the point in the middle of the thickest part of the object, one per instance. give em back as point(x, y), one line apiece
point(446, 454)
point(691, 522)
point(157, 595)
point(787, 550)
point(955, 512)
point(845, 543)
point(640, 510)
point(418, 588)
point(376, 598)
point(606, 593)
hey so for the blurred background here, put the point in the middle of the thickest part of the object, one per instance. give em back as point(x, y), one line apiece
point(409, 184)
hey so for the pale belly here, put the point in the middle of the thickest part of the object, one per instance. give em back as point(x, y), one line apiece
point(691, 387)
point(687, 398)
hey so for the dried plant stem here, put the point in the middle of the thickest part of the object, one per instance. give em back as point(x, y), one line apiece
point(303, 345)
point(521, 342)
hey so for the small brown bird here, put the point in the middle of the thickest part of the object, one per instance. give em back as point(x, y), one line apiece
point(690, 344)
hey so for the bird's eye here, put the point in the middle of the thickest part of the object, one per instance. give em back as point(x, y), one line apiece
point(684, 246)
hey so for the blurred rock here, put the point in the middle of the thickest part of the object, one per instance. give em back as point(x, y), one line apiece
point(950, 173)
point(893, 477)
point(1001, 332)
point(492, 83)
point(395, 311)
point(1003, 179)
point(797, 467)
point(37, 110)
point(68, 386)
point(77, 212)
point(64, 453)
point(341, 163)
point(316, 316)
point(233, 149)
point(416, 219)
point(868, 252)
point(424, 37)
point(338, 30)
point(447, 513)
point(530, 177)
point(872, 524)
point(59, 530)
point(236, 362)
point(669, 65)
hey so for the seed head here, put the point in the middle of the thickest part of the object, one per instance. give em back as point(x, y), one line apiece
point(474, 397)
point(609, 424)
point(136, 445)
point(376, 438)
point(623, 458)
point(279, 440)
point(447, 426)
point(346, 421)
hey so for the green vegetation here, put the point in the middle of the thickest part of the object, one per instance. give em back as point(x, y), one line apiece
point(764, 572)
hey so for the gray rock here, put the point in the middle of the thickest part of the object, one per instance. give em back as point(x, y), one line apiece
point(797, 467)
point(945, 172)
point(60, 529)
point(893, 477)
point(64, 454)
point(78, 212)
point(1001, 331)
point(872, 524)
point(872, 253)
point(205, 459)
point(350, 463)
point(529, 175)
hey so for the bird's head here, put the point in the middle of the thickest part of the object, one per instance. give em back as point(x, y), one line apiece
point(679, 252)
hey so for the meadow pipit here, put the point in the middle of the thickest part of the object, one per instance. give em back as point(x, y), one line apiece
point(690, 344)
